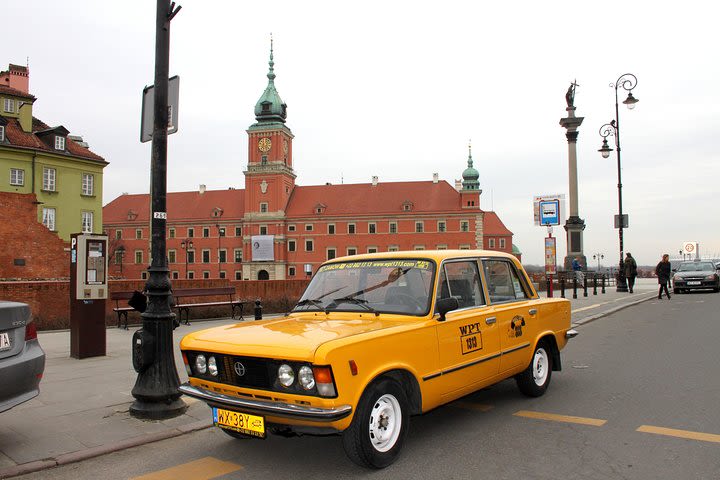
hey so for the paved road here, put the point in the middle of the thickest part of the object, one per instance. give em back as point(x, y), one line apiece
point(636, 399)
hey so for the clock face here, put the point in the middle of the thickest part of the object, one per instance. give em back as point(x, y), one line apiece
point(264, 144)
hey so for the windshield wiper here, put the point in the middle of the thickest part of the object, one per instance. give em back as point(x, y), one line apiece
point(309, 301)
point(355, 301)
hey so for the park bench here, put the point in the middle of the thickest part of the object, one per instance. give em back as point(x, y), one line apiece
point(181, 302)
point(183, 305)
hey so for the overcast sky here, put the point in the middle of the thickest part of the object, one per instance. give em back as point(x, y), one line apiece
point(396, 89)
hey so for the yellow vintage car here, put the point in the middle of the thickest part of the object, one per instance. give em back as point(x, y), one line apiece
point(375, 339)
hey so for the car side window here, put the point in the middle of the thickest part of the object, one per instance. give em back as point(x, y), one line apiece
point(503, 282)
point(462, 281)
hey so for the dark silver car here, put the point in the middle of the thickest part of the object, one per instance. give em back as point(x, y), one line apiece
point(694, 276)
point(22, 360)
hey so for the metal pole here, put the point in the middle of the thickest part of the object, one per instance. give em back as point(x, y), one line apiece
point(621, 283)
point(156, 388)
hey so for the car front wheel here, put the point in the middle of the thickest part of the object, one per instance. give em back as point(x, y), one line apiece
point(534, 380)
point(377, 432)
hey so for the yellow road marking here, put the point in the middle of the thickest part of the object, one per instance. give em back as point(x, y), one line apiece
point(472, 406)
point(671, 432)
point(202, 469)
point(561, 418)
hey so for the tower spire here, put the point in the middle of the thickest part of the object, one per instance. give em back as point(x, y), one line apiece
point(271, 72)
point(270, 108)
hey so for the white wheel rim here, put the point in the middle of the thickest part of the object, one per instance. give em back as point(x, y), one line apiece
point(385, 423)
point(540, 367)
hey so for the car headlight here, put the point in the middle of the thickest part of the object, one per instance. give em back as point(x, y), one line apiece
point(286, 375)
point(710, 277)
point(201, 364)
point(676, 278)
point(212, 366)
point(306, 378)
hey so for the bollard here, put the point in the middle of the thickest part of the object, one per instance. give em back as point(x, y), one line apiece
point(575, 286)
point(594, 284)
point(258, 310)
point(602, 283)
point(585, 285)
point(562, 286)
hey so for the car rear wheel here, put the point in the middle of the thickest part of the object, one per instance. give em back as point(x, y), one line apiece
point(535, 379)
point(377, 432)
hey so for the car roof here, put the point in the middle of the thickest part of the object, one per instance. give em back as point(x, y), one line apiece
point(437, 255)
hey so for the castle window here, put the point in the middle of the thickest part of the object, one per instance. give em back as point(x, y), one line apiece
point(351, 228)
point(372, 228)
point(291, 228)
point(17, 176)
point(419, 227)
point(59, 142)
point(464, 226)
point(502, 243)
point(393, 227)
point(263, 229)
point(331, 229)
point(264, 160)
point(263, 207)
point(442, 226)
point(491, 243)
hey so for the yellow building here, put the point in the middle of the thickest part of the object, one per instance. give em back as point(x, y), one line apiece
point(58, 168)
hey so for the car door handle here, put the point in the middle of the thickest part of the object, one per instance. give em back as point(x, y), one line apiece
point(533, 311)
point(490, 320)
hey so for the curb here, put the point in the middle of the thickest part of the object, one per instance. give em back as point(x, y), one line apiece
point(72, 457)
point(617, 308)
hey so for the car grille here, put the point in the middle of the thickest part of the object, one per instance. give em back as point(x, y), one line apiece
point(255, 372)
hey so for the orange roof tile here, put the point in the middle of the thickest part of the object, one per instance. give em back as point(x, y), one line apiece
point(366, 199)
point(14, 91)
point(492, 225)
point(16, 136)
point(187, 206)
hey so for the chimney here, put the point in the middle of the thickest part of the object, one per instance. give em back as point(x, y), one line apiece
point(458, 185)
point(17, 77)
point(374, 181)
point(202, 188)
point(436, 178)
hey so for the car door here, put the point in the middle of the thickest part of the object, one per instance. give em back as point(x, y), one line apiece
point(516, 313)
point(468, 340)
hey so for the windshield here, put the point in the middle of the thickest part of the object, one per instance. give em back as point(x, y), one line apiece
point(401, 286)
point(696, 267)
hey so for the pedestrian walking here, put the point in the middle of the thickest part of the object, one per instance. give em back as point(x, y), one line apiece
point(663, 273)
point(577, 268)
point(630, 267)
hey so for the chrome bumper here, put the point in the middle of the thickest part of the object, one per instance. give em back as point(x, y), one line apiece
point(572, 333)
point(259, 407)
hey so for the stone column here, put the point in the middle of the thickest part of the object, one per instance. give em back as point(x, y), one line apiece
point(574, 225)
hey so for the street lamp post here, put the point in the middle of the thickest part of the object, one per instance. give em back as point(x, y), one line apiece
point(598, 257)
point(156, 387)
point(627, 81)
point(186, 245)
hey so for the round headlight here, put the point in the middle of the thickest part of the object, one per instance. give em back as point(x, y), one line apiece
point(306, 378)
point(201, 364)
point(286, 375)
point(212, 366)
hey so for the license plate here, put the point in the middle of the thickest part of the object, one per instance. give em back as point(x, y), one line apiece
point(694, 283)
point(5, 341)
point(245, 423)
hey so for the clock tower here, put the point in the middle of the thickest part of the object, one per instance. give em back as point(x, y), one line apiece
point(269, 180)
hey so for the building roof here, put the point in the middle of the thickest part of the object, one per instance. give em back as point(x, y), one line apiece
point(270, 107)
point(17, 137)
point(492, 225)
point(368, 199)
point(15, 92)
point(181, 206)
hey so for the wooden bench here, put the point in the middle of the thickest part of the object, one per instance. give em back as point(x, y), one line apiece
point(184, 306)
point(122, 312)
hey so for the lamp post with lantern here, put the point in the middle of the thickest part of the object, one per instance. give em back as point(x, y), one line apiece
point(598, 257)
point(628, 82)
point(186, 245)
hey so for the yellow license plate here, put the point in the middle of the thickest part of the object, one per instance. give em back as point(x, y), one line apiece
point(245, 423)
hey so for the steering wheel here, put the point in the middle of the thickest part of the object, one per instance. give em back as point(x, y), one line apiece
point(407, 300)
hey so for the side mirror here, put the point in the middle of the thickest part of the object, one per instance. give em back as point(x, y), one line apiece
point(445, 305)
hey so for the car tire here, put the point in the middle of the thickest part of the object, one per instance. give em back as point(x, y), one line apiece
point(378, 429)
point(677, 291)
point(534, 380)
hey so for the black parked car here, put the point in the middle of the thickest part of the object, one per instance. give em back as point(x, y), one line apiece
point(696, 275)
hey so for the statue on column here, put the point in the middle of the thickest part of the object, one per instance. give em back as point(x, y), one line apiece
point(570, 95)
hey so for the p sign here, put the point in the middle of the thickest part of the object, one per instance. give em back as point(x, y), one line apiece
point(550, 212)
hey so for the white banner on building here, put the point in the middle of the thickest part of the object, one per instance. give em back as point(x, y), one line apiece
point(262, 248)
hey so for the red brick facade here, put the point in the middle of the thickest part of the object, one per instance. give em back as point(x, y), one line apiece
point(29, 250)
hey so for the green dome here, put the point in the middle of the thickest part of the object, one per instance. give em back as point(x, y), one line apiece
point(270, 107)
point(470, 175)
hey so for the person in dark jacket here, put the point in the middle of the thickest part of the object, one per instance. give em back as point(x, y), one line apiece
point(630, 267)
point(663, 273)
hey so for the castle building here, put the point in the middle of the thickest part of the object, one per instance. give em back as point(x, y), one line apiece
point(274, 229)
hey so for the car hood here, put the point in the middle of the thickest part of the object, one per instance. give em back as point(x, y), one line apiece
point(293, 337)
point(703, 273)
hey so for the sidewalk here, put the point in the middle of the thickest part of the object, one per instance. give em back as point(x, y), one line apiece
point(82, 409)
